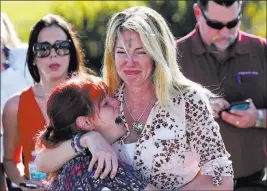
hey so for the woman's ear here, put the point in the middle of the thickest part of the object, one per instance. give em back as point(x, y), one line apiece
point(83, 123)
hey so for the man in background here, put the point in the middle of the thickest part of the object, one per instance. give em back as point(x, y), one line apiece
point(232, 64)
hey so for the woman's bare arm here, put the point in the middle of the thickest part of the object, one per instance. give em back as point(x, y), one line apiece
point(101, 151)
point(10, 132)
point(60, 155)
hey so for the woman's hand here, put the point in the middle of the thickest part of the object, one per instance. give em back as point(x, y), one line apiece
point(103, 154)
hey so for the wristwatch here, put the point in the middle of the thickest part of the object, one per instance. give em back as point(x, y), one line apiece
point(260, 119)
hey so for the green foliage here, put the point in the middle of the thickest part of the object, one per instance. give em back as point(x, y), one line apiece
point(23, 14)
point(90, 19)
point(178, 14)
point(255, 18)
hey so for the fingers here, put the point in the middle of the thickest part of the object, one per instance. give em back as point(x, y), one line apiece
point(100, 166)
point(92, 163)
point(241, 118)
point(251, 104)
point(36, 182)
point(232, 119)
point(238, 112)
point(216, 112)
point(219, 105)
point(107, 166)
point(250, 100)
point(222, 104)
point(104, 155)
point(114, 166)
point(107, 162)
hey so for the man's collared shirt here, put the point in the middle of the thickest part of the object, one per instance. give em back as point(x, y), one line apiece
point(241, 75)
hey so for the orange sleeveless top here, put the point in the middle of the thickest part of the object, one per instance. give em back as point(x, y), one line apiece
point(30, 122)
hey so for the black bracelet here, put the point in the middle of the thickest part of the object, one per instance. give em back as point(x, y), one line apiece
point(75, 143)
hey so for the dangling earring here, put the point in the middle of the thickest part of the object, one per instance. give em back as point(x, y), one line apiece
point(34, 64)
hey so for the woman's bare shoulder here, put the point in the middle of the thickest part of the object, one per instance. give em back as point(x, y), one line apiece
point(11, 106)
point(12, 103)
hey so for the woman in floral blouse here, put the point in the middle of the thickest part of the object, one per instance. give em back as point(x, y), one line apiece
point(171, 135)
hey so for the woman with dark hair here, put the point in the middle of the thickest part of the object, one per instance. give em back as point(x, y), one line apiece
point(53, 55)
point(90, 110)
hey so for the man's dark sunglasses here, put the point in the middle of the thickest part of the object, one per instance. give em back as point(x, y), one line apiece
point(218, 25)
point(43, 49)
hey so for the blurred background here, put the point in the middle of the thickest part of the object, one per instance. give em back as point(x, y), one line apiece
point(90, 19)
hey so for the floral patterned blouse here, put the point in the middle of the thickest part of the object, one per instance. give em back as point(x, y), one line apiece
point(178, 142)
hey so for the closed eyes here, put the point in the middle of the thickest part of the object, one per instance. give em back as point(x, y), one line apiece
point(120, 52)
point(141, 52)
point(123, 52)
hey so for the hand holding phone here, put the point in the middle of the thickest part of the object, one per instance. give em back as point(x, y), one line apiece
point(245, 114)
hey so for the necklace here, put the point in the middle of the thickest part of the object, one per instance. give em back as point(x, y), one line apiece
point(137, 125)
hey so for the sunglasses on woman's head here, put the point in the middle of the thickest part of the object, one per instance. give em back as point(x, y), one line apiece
point(43, 49)
point(218, 25)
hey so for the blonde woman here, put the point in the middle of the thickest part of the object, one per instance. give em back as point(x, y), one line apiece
point(171, 135)
point(13, 57)
point(8, 33)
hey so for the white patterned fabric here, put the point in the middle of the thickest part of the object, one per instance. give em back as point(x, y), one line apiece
point(125, 152)
point(177, 142)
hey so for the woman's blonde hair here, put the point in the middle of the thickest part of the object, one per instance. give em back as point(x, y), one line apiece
point(158, 42)
point(8, 34)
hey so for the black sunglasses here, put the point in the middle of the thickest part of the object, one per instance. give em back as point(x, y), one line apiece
point(43, 49)
point(218, 25)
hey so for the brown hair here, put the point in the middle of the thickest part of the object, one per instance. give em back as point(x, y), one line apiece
point(78, 96)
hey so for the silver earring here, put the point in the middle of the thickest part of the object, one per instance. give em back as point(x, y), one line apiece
point(34, 64)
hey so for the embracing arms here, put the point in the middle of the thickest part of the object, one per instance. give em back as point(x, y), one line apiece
point(61, 154)
point(101, 151)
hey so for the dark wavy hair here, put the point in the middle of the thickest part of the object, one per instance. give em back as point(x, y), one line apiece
point(76, 56)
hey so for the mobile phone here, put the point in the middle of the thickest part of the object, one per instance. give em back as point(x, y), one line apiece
point(28, 185)
point(239, 105)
